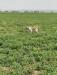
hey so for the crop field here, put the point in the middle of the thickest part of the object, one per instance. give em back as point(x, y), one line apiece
point(26, 53)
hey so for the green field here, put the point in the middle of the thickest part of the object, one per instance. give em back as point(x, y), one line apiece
point(23, 52)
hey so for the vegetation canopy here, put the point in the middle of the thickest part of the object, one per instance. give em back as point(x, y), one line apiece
point(26, 53)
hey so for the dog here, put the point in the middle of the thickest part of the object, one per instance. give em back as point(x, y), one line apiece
point(32, 29)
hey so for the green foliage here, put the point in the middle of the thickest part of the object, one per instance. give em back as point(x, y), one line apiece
point(24, 51)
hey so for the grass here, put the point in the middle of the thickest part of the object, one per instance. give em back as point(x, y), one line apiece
point(23, 52)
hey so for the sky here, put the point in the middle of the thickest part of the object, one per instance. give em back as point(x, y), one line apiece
point(28, 4)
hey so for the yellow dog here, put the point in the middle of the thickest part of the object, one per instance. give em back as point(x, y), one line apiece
point(32, 29)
